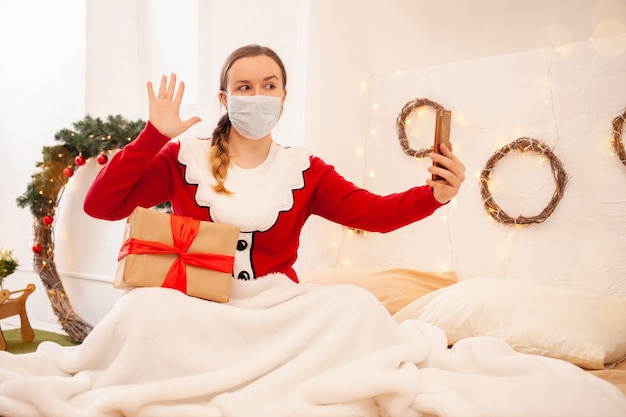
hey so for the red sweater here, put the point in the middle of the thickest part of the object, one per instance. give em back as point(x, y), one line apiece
point(269, 203)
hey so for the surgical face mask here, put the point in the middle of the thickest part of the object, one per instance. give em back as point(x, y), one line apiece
point(254, 116)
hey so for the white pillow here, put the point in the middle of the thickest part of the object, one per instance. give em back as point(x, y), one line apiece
point(585, 329)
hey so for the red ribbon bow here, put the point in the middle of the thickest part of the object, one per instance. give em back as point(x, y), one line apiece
point(184, 231)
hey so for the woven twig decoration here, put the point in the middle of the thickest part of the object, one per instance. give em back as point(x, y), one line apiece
point(618, 144)
point(401, 126)
point(523, 145)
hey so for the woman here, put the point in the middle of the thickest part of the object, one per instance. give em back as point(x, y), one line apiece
point(276, 348)
point(242, 177)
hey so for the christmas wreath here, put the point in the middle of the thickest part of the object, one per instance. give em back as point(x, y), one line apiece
point(558, 172)
point(401, 122)
point(89, 138)
point(618, 144)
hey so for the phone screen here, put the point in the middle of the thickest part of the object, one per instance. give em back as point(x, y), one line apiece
point(442, 132)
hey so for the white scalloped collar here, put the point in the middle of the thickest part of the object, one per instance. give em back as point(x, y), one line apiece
point(259, 194)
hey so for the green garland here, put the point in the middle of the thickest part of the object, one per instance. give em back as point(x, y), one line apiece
point(90, 137)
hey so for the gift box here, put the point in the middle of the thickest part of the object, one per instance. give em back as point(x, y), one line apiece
point(165, 250)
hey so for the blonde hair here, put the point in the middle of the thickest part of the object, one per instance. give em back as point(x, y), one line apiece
point(220, 157)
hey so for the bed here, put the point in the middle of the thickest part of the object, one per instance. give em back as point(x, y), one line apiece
point(615, 375)
point(584, 329)
point(357, 342)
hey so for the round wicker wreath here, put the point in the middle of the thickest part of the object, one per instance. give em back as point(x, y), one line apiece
point(560, 178)
point(401, 126)
point(88, 138)
point(618, 144)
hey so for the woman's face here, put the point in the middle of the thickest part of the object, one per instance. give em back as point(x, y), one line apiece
point(253, 76)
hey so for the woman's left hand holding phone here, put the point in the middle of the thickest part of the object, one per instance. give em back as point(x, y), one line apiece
point(164, 111)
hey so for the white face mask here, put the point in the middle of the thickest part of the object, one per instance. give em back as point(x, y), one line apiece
point(254, 116)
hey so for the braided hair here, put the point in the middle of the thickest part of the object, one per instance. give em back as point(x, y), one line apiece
point(220, 156)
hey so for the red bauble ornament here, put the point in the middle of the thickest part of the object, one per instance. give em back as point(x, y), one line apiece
point(68, 172)
point(80, 160)
point(47, 220)
point(102, 159)
point(37, 248)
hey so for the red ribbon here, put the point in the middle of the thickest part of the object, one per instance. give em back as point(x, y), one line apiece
point(184, 231)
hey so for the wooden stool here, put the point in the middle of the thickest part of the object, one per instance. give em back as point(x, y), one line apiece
point(14, 306)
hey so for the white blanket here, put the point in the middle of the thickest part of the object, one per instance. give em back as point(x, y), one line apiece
point(282, 349)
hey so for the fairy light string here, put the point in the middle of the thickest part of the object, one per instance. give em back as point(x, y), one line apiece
point(523, 144)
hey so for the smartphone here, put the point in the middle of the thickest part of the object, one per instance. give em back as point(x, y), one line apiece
point(442, 133)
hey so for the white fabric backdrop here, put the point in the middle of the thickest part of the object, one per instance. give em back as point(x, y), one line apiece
point(565, 98)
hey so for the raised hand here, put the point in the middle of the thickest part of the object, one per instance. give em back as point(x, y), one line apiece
point(164, 111)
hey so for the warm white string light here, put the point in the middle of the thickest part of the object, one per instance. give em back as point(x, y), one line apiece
point(450, 211)
point(551, 97)
point(370, 172)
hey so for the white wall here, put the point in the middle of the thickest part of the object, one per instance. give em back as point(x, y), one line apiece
point(545, 94)
point(62, 59)
point(361, 40)
point(42, 73)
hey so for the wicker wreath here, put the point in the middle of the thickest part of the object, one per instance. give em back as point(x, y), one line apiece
point(88, 138)
point(560, 178)
point(618, 144)
point(401, 126)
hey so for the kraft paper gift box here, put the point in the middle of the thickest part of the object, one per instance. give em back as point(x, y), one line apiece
point(165, 250)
